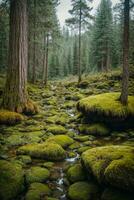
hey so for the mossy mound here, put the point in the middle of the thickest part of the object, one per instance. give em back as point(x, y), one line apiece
point(62, 140)
point(76, 173)
point(113, 194)
point(37, 174)
point(57, 129)
point(48, 151)
point(94, 129)
point(37, 191)
point(11, 180)
point(82, 138)
point(10, 118)
point(113, 165)
point(30, 108)
point(82, 191)
point(106, 107)
point(25, 159)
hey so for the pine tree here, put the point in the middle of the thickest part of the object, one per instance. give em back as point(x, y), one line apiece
point(125, 78)
point(80, 18)
point(102, 36)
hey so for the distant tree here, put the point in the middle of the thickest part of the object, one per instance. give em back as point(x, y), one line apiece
point(80, 18)
point(15, 94)
point(102, 36)
point(125, 76)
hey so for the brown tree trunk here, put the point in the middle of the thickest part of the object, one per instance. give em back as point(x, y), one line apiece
point(125, 76)
point(46, 68)
point(34, 46)
point(44, 59)
point(15, 96)
point(79, 63)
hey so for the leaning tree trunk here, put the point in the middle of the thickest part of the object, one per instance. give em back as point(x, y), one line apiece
point(125, 77)
point(15, 96)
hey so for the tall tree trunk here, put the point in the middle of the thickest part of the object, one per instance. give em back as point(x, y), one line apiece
point(34, 45)
point(44, 59)
point(46, 63)
point(125, 76)
point(15, 96)
point(79, 63)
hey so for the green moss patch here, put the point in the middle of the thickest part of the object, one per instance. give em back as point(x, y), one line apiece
point(82, 191)
point(37, 191)
point(113, 165)
point(76, 173)
point(113, 194)
point(57, 129)
point(10, 118)
point(106, 105)
point(37, 174)
point(11, 180)
point(49, 151)
point(62, 140)
point(94, 129)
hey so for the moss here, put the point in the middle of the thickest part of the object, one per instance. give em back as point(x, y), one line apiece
point(61, 119)
point(48, 165)
point(83, 149)
point(57, 129)
point(15, 140)
point(82, 191)
point(25, 159)
point(51, 198)
point(75, 145)
point(49, 151)
point(113, 194)
point(82, 138)
point(37, 191)
point(113, 165)
point(76, 173)
point(37, 174)
point(10, 118)
point(62, 140)
point(94, 129)
point(11, 180)
point(31, 108)
point(106, 105)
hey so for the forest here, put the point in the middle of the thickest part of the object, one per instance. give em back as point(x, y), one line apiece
point(67, 100)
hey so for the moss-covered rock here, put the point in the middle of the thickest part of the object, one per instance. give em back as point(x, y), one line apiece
point(62, 140)
point(37, 174)
point(113, 165)
point(57, 129)
point(82, 191)
point(94, 129)
point(25, 159)
point(11, 180)
point(37, 191)
point(82, 138)
point(113, 194)
point(76, 173)
point(10, 118)
point(48, 151)
point(15, 140)
point(106, 107)
point(75, 145)
point(48, 165)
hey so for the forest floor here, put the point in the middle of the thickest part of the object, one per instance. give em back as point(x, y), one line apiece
point(58, 117)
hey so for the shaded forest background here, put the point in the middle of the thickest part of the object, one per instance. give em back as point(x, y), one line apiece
point(56, 47)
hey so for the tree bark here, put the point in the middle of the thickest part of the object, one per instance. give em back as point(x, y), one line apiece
point(79, 63)
point(45, 59)
point(125, 76)
point(15, 95)
point(46, 62)
point(34, 45)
